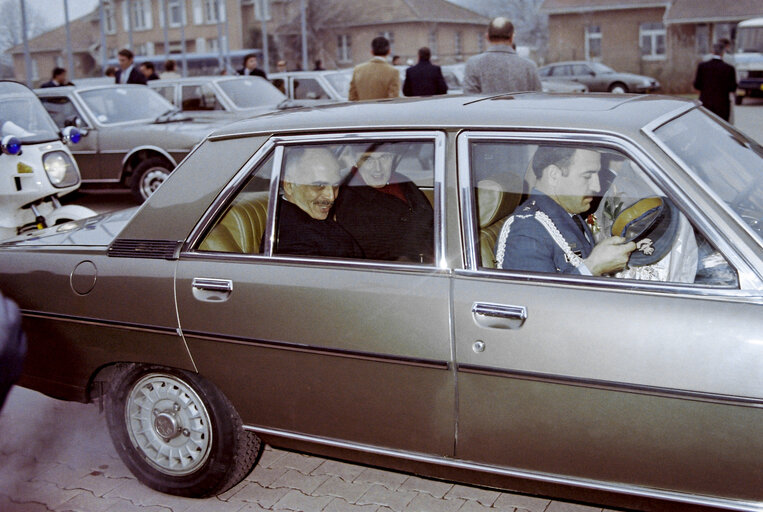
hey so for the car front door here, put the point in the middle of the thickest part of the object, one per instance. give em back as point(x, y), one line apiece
point(306, 345)
point(649, 382)
point(65, 113)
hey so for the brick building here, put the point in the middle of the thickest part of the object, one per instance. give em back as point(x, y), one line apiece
point(660, 38)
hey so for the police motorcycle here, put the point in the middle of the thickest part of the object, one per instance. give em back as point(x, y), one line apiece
point(36, 166)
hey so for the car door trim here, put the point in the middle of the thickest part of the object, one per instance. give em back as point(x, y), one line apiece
point(317, 350)
point(506, 471)
point(606, 385)
point(114, 324)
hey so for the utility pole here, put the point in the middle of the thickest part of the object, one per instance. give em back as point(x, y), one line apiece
point(166, 30)
point(303, 16)
point(104, 56)
point(27, 57)
point(69, 57)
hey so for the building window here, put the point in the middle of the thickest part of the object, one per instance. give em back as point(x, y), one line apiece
point(213, 45)
point(145, 49)
point(652, 37)
point(35, 69)
point(702, 39)
point(109, 22)
point(593, 42)
point(433, 42)
point(343, 46)
point(391, 38)
point(459, 45)
point(175, 12)
point(214, 11)
point(480, 42)
point(141, 14)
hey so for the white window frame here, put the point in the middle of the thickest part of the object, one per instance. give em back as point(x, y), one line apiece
point(432, 41)
point(344, 48)
point(141, 16)
point(458, 44)
point(109, 20)
point(480, 42)
point(653, 33)
point(175, 12)
point(590, 36)
point(214, 11)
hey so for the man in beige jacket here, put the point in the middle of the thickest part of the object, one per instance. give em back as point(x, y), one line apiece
point(376, 78)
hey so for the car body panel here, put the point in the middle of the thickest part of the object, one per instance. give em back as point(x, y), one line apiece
point(649, 389)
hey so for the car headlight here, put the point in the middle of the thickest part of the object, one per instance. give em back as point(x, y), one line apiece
point(60, 168)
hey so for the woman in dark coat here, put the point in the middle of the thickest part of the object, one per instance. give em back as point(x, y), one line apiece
point(386, 213)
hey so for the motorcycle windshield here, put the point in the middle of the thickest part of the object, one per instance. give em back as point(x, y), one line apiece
point(25, 118)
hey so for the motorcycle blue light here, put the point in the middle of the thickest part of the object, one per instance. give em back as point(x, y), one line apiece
point(10, 145)
point(71, 135)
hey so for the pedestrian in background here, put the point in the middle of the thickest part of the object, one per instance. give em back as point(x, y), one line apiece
point(281, 66)
point(127, 73)
point(149, 71)
point(424, 79)
point(59, 78)
point(169, 70)
point(250, 67)
point(715, 80)
point(376, 78)
point(499, 69)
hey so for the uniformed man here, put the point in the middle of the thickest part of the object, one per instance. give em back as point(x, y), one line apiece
point(546, 233)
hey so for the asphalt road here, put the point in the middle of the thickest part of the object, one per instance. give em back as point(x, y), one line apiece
point(58, 456)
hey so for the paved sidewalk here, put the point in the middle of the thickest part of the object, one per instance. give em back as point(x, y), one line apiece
point(57, 456)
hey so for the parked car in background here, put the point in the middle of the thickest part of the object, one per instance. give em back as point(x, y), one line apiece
point(314, 85)
point(598, 77)
point(207, 330)
point(454, 77)
point(748, 59)
point(131, 136)
point(222, 97)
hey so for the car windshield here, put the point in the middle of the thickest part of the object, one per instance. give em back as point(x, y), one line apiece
point(340, 81)
point(601, 68)
point(22, 115)
point(251, 92)
point(750, 39)
point(727, 161)
point(121, 104)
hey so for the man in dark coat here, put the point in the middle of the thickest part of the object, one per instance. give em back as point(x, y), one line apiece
point(385, 212)
point(128, 73)
point(424, 79)
point(59, 79)
point(250, 67)
point(715, 80)
point(310, 187)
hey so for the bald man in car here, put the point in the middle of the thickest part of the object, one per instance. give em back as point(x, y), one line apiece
point(306, 225)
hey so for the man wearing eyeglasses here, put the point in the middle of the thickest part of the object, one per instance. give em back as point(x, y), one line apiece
point(305, 226)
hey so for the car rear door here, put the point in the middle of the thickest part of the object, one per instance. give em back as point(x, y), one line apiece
point(648, 387)
point(351, 350)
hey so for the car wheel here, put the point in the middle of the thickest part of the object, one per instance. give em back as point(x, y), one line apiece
point(178, 433)
point(738, 99)
point(148, 175)
point(618, 88)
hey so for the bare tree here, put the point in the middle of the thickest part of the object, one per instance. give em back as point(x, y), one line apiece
point(11, 31)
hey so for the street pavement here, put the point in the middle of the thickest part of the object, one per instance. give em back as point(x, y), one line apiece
point(57, 456)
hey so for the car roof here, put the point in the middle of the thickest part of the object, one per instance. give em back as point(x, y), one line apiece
point(203, 78)
point(566, 62)
point(602, 112)
point(57, 91)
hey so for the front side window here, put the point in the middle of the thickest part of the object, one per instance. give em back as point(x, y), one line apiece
point(370, 201)
point(308, 88)
point(61, 110)
point(652, 37)
point(123, 104)
point(199, 97)
point(593, 42)
point(584, 210)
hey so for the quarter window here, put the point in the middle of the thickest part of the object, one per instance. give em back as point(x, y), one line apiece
point(549, 208)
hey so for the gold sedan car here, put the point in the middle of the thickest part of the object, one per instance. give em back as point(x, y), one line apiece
point(557, 295)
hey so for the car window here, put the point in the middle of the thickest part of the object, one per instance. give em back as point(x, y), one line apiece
point(199, 97)
point(544, 71)
point(560, 71)
point(556, 208)
point(308, 88)
point(61, 110)
point(580, 69)
point(167, 92)
point(119, 104)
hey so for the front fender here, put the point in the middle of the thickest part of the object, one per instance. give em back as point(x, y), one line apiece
point(67, 213)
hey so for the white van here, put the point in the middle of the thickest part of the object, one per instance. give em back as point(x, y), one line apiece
point(748, 59)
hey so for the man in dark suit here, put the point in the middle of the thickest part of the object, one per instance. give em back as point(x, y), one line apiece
point(715, 80)
point(424, 79)
point(250, 67)
point(59, 79)
point(128, 73)
point(310, 187)
point(546, 232)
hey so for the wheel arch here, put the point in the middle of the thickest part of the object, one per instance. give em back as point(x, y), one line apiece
point(141, 153)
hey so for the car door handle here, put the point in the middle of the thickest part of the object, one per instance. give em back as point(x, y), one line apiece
point(499, 316)
point(208, 289)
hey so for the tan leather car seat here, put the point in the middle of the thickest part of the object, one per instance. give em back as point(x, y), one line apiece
point(241, 228)
point(494, 205)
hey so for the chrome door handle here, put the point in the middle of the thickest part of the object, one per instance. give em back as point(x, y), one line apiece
point(208, 289)
point(499, 316)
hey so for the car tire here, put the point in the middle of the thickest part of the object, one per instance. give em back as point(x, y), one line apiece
point(738, 99)
point(618, 88)
point(177, 433)
point(148, 175)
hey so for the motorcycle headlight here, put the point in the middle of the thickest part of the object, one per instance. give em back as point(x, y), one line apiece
point(60, 168)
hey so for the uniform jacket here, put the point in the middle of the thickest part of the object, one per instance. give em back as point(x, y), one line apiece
point(500, 70)
point(135, 77)
point(424, 79)
point(375, 79)
point(525, 244)
point(715, 80)
point(298, 233)
point(386, 227)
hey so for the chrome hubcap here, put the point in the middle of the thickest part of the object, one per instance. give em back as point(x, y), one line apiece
point(151, 180)
point(168, 423)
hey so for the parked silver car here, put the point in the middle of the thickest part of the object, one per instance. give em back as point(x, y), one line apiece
point(454, 77)
point(131, 136)
point(221, 97)
point(598, 77)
